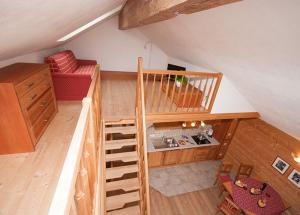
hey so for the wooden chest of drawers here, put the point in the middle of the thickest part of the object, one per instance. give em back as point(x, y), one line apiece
point(27, 105)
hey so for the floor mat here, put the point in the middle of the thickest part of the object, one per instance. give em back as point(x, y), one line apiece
point(176, 180)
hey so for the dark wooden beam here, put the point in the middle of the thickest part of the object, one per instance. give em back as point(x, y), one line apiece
point(143, 12)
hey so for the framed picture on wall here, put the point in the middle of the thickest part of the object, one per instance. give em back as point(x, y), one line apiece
point(280, 165)
point(294, 177)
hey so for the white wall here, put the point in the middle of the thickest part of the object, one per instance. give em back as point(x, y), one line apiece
point(228, 99)
point(254, 43)
point(117, 50)
point(35, 57)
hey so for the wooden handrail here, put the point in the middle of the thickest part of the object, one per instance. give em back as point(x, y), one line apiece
point(142, 144)
point(80, 189)
point(65, 189)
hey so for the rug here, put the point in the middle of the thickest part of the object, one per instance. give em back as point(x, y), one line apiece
point(185, 178)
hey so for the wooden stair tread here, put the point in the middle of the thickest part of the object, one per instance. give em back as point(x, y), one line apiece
point(121, 129)
point(118, 144)
point(118, 201)
point(135, 210)
point(117, 172)
point(126, 185)
point(123, 156)
point(120, 122)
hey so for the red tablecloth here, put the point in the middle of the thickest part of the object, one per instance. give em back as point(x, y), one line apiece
point(246, 201)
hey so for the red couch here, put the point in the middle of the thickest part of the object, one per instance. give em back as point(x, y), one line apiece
point(71, 77)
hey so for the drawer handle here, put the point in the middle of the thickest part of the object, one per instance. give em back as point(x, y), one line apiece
point(43, 104)
point(30, 85)
point(46, 120)
point(34, 96)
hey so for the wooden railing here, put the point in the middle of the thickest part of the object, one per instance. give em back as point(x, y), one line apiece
point(80, 186)
point(142, 144)
point(179, 91)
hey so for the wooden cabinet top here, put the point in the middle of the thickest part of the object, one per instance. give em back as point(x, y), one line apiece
point(18, 72)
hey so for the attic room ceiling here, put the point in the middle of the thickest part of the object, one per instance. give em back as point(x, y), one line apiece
point(28, 26)
point(254, 43)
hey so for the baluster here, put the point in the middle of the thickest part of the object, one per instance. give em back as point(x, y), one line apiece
point(203, 95)
point(191, 96)
point(152, 94)
point(173, 93)
point(159, 92)
point(197, 94)
point(167, 93)
point(146, 89)
point(209, 92)
point(185, 92)
point(179, 94)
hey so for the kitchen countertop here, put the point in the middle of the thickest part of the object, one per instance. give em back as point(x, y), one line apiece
point(155, 135)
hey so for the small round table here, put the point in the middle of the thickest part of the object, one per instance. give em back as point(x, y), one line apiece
point(248, 202)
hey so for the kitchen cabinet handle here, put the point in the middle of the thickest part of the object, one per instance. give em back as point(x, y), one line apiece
point(46, 120)
point(43, 104)
point(34, 96)
point(30, 85)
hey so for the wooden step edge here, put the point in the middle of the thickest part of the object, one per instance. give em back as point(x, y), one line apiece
point(134, 210)
point(117, 172)
point(119, 201)
point(118, 144)
point(121, 155)
point(125, 185)
point(120, 122)
point(121, 129)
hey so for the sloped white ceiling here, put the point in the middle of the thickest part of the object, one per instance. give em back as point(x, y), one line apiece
point(256, 43)
point(31, 25)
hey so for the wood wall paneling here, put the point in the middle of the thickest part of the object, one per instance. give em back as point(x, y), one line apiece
point(259, 143)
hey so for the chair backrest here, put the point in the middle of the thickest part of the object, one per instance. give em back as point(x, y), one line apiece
point(62, 62)
point(244, 170)
point(225, 168)
point(228, 207)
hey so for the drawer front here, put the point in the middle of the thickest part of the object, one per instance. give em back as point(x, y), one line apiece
point(43, 120)
point(31, 82)
point(39, 106)
point(34, 94)
point(201, 154)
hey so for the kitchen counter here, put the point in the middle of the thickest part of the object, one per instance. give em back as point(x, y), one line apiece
point(176, 133)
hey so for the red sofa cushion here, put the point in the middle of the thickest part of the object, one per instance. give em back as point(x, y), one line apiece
point(62, 62)
point(85, 70)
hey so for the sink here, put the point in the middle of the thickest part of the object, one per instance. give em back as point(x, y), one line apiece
point(201, 140)
point(164, 142)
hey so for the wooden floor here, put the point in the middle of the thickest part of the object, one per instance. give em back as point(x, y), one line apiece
point(27, 180)
point(203, 202)
point(118, 99)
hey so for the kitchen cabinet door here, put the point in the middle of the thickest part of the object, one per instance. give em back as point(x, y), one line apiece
point(187, 156)
point(201, 153)
point(155, 159)
point(172, 157)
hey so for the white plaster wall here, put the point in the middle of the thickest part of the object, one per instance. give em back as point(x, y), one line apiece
point(117, 50)
point(35, 57)
point(228, 99)
point(255, 43)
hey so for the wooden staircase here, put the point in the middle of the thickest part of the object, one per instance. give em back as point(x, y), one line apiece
point(122, 168)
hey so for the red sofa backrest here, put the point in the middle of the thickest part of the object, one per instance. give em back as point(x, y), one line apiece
point(62, 62)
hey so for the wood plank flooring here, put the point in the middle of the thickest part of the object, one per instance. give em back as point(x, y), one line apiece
point(28, 180)
point(203, 202)
point(118, 99)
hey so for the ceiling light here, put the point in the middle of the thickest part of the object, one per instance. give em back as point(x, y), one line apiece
point(202, 124)
point(193, 124)
point(184, 124)
point(90, 24)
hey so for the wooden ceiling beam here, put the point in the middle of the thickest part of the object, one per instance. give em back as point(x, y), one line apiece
point(143, 12)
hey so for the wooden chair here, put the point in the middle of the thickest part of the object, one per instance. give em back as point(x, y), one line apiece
point(228, 207)
point(244, 170)
point(223, 176)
